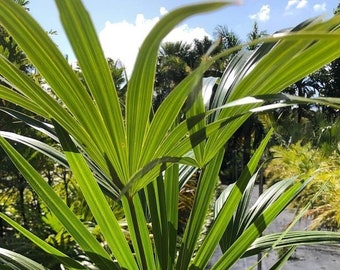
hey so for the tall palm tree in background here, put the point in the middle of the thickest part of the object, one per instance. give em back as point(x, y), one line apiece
point(229, 38)
point(255, 33)
point(306, 87)
point(207, 46)
point(172, 67)
point(177, 60)
point(173, 64)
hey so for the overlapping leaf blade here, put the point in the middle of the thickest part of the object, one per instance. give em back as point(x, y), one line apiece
point(66, 260)
point(205, 190)
point(239, 247)
point(43, 148)
point(15, 261)
point(266, 242)
point(80, 31)
point(80, 233)
point(81, 118)
point(46, 57)
point(169, 110)
point(22, 101)
point(97, 202)
point(267, 71)
point(140, 86)
point(230, 205)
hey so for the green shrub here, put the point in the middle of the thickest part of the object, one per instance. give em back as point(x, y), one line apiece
point(322, 192)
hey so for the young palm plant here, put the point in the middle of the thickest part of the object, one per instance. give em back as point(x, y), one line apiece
point(141, 157)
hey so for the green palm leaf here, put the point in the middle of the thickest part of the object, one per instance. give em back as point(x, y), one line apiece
point(80, 233)
point(142, 79)
point(67, 261)
point(239, 247)
point(97, 202)
point(226, 212)
point(267, 71)
point(80, 31)
point(294, 238)
point(15, 261)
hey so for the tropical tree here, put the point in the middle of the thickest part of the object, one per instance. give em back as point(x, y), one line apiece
point(204, 48)
point(142, 159)
point(199, 49)
point(229, 39)
point(331, 75)
point(306, 87)
point(178, 49)
point(178, 59)
point(172, 67)
point(255, 34)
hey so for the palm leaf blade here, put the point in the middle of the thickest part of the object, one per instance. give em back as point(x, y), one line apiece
point(85, 43)
point(43, 245)
point(18, 262)
point(84, 238)
point(225, 214)
point(97, 202)
point(142, 79)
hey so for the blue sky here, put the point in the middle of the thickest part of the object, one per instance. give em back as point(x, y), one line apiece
point(122, 25)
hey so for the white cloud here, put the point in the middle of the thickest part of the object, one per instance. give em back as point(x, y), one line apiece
point(302, 4)
point(291, 3)
point(319, 7)
point(122, 40)
point(163, 11)
point(186, 34)
point(262, 15)
point(296, 4)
